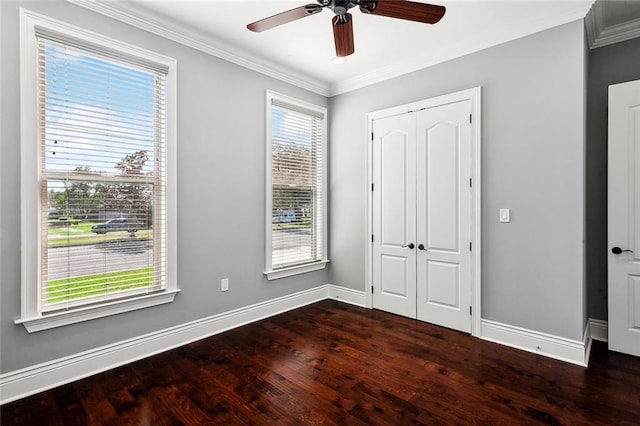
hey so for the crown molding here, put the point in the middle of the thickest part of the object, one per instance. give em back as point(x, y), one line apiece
point(591, 21)
point(122, 12)
point(487, 39)
point(599, 35)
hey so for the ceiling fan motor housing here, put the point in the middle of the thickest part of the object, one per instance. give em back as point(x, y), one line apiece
point(339, 7)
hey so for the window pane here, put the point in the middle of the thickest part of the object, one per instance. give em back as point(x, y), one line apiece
point(296, 183)
point(96, 110)
point(99, 241)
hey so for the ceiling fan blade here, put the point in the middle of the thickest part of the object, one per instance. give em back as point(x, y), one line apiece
point(404, 9)
point(343, 34)
point(285, 17)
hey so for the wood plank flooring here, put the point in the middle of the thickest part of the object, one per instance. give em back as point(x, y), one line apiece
point(332, 363)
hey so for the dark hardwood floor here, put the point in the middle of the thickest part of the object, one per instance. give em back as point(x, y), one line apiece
point(333, 363)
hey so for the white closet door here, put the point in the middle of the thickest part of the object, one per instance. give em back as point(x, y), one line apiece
point(624, 218)
point(394, 219)
point(443, 215)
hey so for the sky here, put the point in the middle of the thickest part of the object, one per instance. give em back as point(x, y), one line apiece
point(289, 126)
point(97, 110)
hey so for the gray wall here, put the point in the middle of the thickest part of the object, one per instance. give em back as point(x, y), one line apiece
point(532, 162)
point(607, 65)
point(220, 185)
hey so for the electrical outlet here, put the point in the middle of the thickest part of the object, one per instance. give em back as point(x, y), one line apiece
point(224, 284)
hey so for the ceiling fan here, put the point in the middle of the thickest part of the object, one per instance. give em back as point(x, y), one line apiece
point(342, 22)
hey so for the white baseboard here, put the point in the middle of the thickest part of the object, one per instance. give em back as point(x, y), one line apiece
point(560, 348)
point(588, 340)
point(599, 330)
point(28, 381)
point(347, 295)
point(595, 330)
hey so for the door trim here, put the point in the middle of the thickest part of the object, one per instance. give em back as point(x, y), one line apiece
point(475, 96)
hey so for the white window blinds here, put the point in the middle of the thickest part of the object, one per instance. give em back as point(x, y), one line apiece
point(102, 148)
point(297, 185)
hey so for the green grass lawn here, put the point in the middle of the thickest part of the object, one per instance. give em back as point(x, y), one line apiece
point(82, 227)
point(93, 285)
point(85, 226)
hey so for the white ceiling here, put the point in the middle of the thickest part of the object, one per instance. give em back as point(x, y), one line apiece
point(302, 51)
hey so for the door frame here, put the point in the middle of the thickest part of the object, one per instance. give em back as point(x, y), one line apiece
point(475, 96)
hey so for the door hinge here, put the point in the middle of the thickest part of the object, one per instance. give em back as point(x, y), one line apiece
point(371, 237)
point(471, 310)
point(470, 183)
point(371, 289)
point(371, 135)
point(371, 187)
point(470, 118)
point(470, 246)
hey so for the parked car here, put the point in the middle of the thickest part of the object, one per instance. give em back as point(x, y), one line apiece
point(285, 216)
point(53, 214)
point(120, 224)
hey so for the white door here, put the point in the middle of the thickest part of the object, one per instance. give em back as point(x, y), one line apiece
point(422, 215)
point(624, 218)
point(394, 221)
point(443, 215)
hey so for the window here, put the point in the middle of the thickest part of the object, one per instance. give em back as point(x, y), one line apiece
point(296, 187)
point(97, 163)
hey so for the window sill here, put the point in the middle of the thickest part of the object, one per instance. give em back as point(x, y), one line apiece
point(296, 270)
point(59, 319)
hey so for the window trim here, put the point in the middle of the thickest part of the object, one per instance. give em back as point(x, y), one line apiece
point(30, 315)
point(270, 273)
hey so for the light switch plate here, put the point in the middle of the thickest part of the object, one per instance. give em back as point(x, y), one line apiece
point(505, 215)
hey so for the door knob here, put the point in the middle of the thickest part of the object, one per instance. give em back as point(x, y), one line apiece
point(410, 245)
point(421, 247)
point(618, 250)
